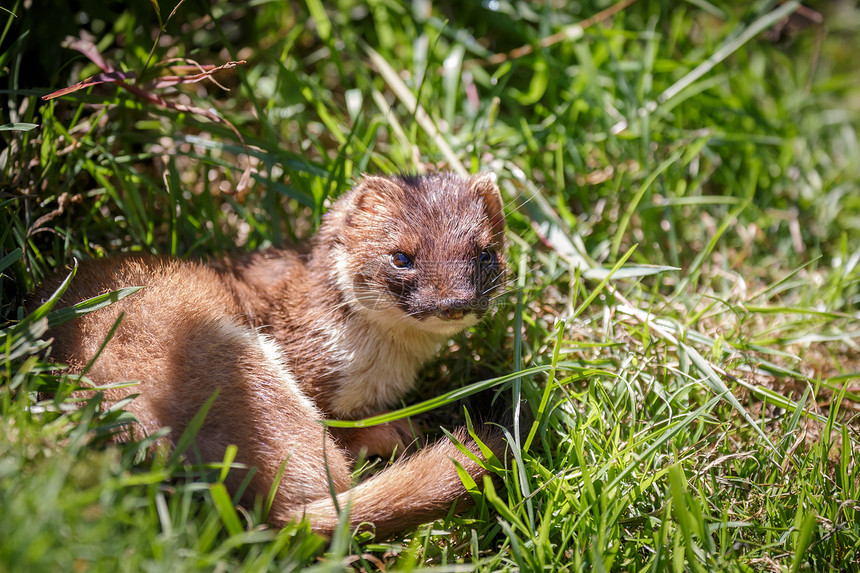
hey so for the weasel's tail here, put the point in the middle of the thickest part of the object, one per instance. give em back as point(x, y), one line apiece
point(414, 490)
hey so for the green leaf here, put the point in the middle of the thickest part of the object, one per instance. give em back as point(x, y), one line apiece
point(226, 509)
point(803, 538)
point(62, 315)
point(191, 430)
point(318, 13)
point(11, 258)
point(432, 403)
point(18, 126)
point(627, 271)
point(46, 307)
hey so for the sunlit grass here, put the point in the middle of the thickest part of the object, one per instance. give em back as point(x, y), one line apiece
point(693, 408)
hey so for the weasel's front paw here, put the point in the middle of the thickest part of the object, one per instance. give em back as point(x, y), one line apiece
point(388, 440)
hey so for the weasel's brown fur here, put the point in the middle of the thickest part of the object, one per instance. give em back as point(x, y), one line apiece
point(287, 339)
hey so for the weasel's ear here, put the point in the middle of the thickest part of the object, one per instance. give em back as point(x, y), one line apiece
point(484, 186)
point(370, 189)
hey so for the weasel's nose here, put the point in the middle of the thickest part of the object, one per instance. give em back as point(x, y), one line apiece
point(454, 308)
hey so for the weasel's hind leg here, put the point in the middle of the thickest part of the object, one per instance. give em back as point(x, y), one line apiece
point(259, 408)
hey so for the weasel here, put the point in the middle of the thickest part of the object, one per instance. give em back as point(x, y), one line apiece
point(288, 338)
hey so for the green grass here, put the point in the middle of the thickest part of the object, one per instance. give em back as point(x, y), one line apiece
point(695, 407)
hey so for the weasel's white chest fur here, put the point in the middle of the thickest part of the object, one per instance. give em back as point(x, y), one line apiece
point(379, 365)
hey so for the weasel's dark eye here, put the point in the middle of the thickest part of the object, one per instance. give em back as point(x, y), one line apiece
point(487, 258)
point(401, 261)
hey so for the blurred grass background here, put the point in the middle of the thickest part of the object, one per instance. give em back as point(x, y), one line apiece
point(698, 410)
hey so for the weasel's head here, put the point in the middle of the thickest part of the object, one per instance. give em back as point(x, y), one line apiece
point(423, 252)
